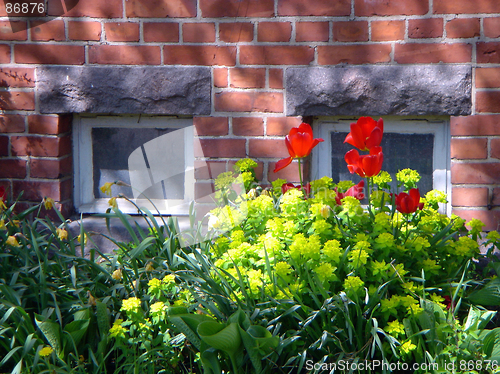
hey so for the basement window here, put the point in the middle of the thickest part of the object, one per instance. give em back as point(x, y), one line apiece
point(152, 156)
point(420, 144)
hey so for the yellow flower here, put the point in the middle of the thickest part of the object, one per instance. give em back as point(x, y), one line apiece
point(117, 330)
point(48, 203)
point(11, 240)
point(106, 188)
point(62, 234)
point(117, 274)
point(79, 238)
point(112, 202)
point(395, 328)
point(169, 279)
point(132, 305)
point(46, 351)
point(407, 347)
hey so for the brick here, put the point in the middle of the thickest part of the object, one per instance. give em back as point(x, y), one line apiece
point(463, 196)
point(354, 54)
point(491, 27)
point(87, 8)
point(469, 148)
point(248, 126)
point(290, 173)
point(45, 31)
point(17, 77)
point(83, 30)
point(350, 31)
point(314, 8)
point(122, 31)
point(247, 77)
point(211, 126)
point(276, 78)
point(235, 32)
point(198, 32)
point(50, 169)
point(488, 53)
point(495, 147)
point(488, 101)
point(236, 8)
point(199, 55)
point(13, 30)
point(463, 28)
point(13, 100)
point(49, 125)
point(12, 168)
point(491, 218)
point(425, 28)
point(40, 146)
point(124, 54)
point(383, 31)
point(49, 54)
point(267, 148)
point(4, 54)
point(4, 146)
point(161, 8)
point(487, 77)
point(208, 169)
point(249, 102)
point(276, 55)
point(203, 192)
point(274, 31)
point(221, 76)
point(166, 32)
point(281, 126)
point(496, 197)
point(465, 6)
point(38, 190)
point(390, 8)
point(425, 53)
point(312, 31)
point(478, 125)
point(220, 148)
point(12, 123)
point(475, 173)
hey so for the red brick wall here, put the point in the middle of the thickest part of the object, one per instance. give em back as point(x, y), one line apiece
point(248, 44)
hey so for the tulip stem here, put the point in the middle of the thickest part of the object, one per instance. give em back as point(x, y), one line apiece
point(300, 178)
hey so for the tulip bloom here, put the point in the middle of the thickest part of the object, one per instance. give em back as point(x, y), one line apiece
point(365, 165)
point(355, 191)
point(299, 143)
point(409, 202)
point(366, 133)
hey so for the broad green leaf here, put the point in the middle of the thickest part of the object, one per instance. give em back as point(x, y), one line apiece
point(226, 338)
point(51, 331)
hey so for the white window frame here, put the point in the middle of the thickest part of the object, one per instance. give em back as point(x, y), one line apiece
point(84, 199)
point(438, 126)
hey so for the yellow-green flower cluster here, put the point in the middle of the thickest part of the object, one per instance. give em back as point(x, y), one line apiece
point(326, 272)
point(117, 330)
point(382, 179)
point(353, 284)
point(131, 306)
point(304, 248)
point(408, 177)
point(332, 250)
point(395, 328)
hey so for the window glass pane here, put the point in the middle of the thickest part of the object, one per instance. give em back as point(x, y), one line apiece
point(112, 148)
point(401, 151)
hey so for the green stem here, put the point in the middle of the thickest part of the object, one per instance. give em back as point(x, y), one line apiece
point(300, 178)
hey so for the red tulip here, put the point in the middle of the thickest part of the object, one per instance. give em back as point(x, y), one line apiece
point(299, 143)
point(366, 133)
point(288, 186)
point(365, 165)
point(356, 191)
point(409, 202)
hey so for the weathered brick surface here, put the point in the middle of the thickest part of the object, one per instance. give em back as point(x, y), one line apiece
point(13, 76)
point(198, 32)
point(488, 77)
point(234, 32)
point(208, 169)
point(390, 8)
point(314, 8)
point(247, 77)
point(15, 30)
point(60, 54)
point(491, 27)
point(495, 148)
point(350, 31)
point(475, 173)
point(469, 148)
point(490, 218)
point(4, 54)
point(354, 54)
point(488, 53)
point(312, 31)
point(248, 126)
point(281, 126)
point(469, 196)
point(249, 102)
point(52, 125)
point(50, 169)
point(478, 125)
point(387, 30)
point(488, 101)
point(276, 78)
point(12, 123)
point(465, 6)
point(267, 148)
point(84, 30)
point(17, 100)
point(40, 146)
point(125, 54)
point(425, 28)
point(87, 8)
point(160, 8)
point(122, 31)
point(236, 8)
point(37, 190)
point(199, 55)
point(464, 27)
point(428, 53)
point(45, 31)
point(274, 31)
point(4, 146)
point(10, 168)
point(167, 32)
point(276, 55)
point(211, 126)
point(220, 77)
point(222, 147)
